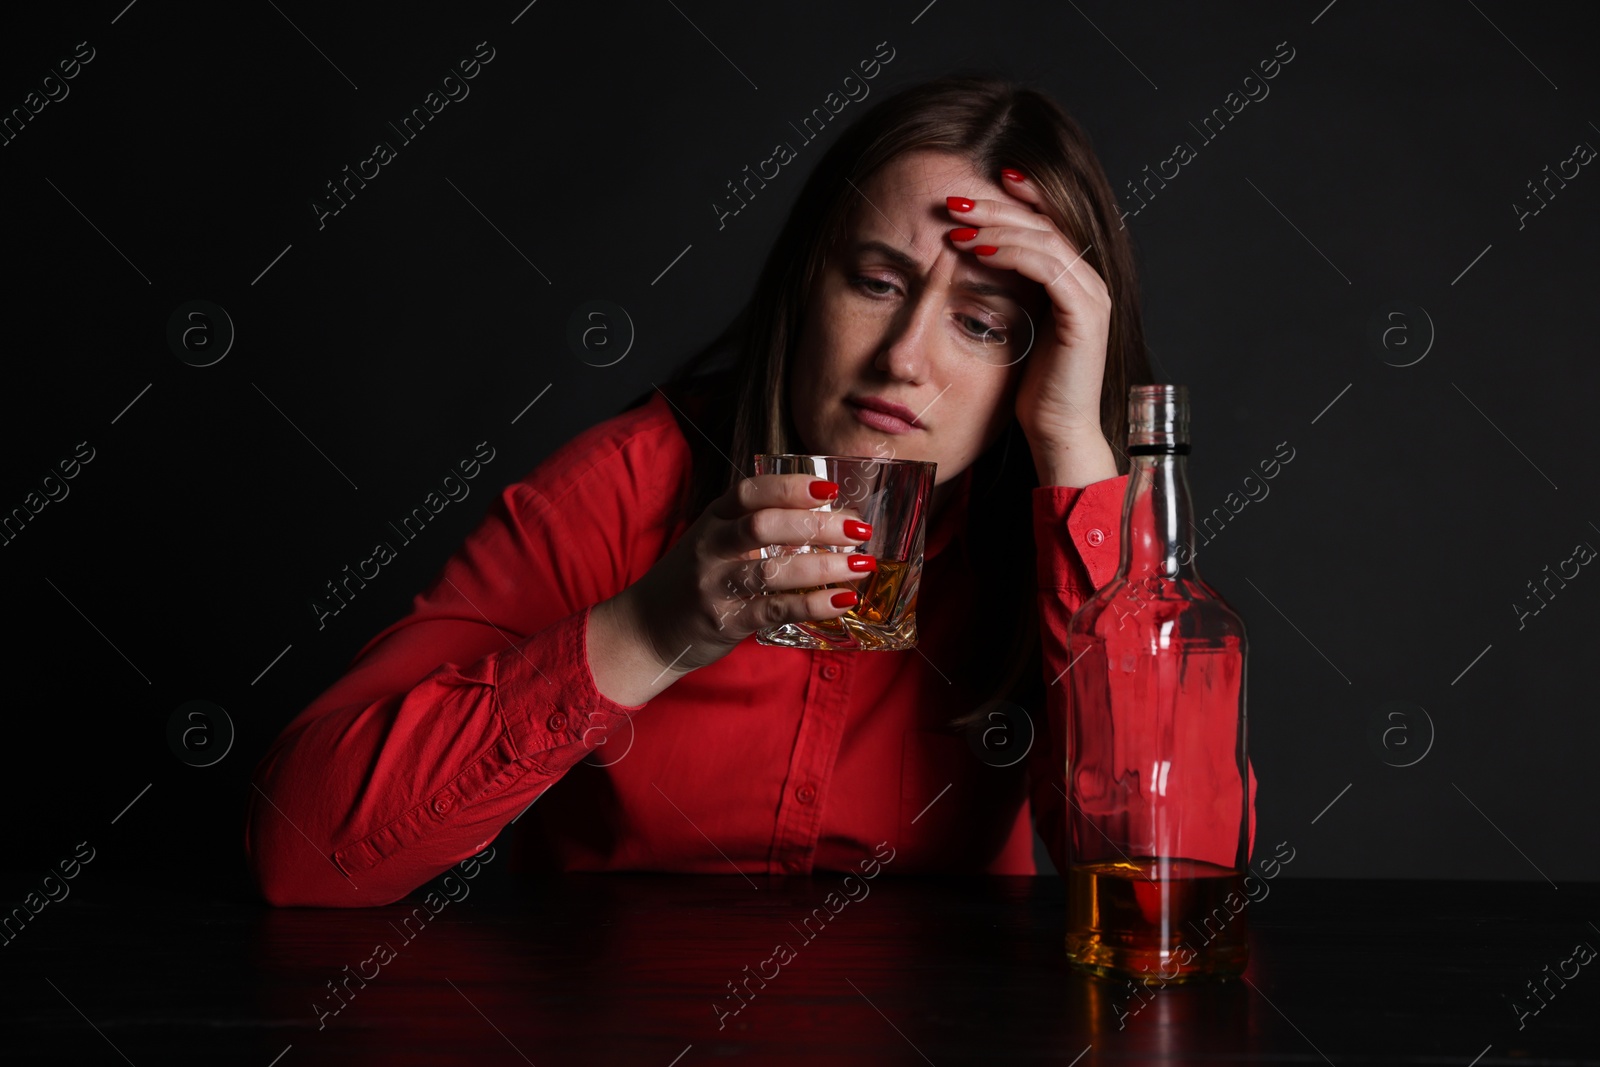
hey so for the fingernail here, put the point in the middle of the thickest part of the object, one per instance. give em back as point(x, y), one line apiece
point(824, 490)
point(958, 203)
point(965, 233)
point(985, 250)
point(859, 562)
point(1012, 175)
point(859, 530)
point(846, 599)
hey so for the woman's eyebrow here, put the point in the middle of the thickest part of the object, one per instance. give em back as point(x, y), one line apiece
point(912, 267)
point(893, 255)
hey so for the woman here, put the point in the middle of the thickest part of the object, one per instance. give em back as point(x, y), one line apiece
point(956, 257)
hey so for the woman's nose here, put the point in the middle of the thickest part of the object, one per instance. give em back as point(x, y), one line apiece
point(903, 353)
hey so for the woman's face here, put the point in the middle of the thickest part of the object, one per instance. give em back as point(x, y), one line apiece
point(900, 316)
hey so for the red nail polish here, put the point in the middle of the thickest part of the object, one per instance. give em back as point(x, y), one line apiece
point(1012, 175)
point(958, 203)
point(859, 530)
point(985, 250)
point(824, 490)
point(846, 599)
point(859, 562)
point(965, 233)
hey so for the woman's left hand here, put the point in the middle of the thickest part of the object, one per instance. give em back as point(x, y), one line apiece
point(1058, 400)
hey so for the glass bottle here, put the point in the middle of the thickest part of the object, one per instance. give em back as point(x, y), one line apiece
point(1158, 812)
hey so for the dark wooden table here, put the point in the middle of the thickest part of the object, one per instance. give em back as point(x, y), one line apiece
point(627, 969)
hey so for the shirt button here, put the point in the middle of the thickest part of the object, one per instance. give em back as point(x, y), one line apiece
point(556, 722)
point(442, 804)
point(830, 671)
point(805, 794)
point(1096, 537)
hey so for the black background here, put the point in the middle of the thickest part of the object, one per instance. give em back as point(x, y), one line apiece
point(1385, 561)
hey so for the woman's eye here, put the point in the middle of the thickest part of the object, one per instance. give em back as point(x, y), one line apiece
point(975, 328)
point(866, 283)
point(981, 330)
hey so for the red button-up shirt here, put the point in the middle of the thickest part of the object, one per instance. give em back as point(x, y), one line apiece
point(458, 720)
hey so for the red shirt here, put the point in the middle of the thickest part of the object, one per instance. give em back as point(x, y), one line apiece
point(459, 716)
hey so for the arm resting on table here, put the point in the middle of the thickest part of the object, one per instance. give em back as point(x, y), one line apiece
point(446, 727)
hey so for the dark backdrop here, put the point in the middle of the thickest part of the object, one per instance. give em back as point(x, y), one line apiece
point(1341, 271)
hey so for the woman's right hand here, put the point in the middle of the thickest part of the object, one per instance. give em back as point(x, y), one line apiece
point(712, 589)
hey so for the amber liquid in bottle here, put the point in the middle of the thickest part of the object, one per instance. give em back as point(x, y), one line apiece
point(1166, 920)
point(1156, 766)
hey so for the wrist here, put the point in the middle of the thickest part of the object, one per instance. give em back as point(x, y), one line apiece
point(622, 616)
point(623, 660)
point(1074, 462)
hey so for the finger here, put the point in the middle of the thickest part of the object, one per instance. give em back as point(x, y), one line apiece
point(736, 538)
point(779, 609)
point(1017, 184)
point(1048, 258)
point(773, 491)
point(969, 211)
point(1049, 241)
point(797, 571)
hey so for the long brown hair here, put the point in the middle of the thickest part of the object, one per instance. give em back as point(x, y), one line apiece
point(744, 409)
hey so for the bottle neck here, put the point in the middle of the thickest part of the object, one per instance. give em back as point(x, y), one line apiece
point(1157, 517)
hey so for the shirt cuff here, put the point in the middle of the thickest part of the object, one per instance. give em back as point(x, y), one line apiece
point(547, 693)
point(1077, 533)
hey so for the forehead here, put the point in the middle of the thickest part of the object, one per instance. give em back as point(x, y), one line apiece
point(901, 215)
point(926, 177)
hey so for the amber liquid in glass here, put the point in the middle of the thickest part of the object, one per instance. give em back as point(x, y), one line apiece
point(1161, 920)
point(881, 592)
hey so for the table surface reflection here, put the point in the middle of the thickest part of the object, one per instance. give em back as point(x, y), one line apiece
point(637, 969)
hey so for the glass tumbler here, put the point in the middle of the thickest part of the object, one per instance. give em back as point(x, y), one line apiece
point(892, 496)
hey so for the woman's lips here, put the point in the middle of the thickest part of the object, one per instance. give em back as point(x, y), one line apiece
point(878, 420)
